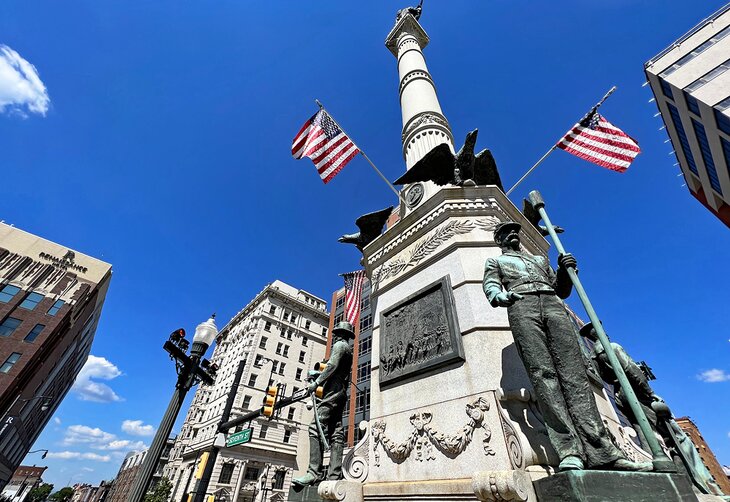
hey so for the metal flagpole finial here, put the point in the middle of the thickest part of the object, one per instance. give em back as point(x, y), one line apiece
point(321, 106)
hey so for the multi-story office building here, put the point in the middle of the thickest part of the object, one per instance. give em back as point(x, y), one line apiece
point(706, 454)
point(132, 463)
point(358, 404)
point(50, 303)
point(691, 85)
point(278, 337)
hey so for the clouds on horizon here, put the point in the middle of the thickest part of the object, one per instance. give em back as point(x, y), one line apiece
point(89, 390)
point(137, 428)
point(714, 375)
point(94, 438)
point(21, 89)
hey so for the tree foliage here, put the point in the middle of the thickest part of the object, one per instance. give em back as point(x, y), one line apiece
point(161, 491)
point(62, 495)
point(39, 493)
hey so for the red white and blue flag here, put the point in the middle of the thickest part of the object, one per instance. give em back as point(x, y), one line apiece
point(596, 140)
point(353, 294)
point(322, 140)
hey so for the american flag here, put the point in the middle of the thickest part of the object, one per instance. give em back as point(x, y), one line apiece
point(353, 294)
point(596, 140)
point(324, 142)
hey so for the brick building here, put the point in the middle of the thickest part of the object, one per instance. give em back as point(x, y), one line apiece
point(50, 303)
point(706, 454)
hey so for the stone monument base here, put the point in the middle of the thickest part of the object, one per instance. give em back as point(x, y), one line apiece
point(604, 486)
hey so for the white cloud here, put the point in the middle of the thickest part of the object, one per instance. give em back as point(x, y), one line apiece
point(136, 428)
point(68, 455)
point(714, 375)
point(56, 420)
point(21, 89)
point(123, 444)
point(87, 469)
point(82, 434)
point(89, 390)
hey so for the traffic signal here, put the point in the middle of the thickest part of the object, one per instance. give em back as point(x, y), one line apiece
point(272, 392)
point(177, 335)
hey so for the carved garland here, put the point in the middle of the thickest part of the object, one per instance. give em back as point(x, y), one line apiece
point(431, 244)
point(423, 438)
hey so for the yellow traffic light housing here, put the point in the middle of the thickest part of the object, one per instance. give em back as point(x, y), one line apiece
point(272, 392)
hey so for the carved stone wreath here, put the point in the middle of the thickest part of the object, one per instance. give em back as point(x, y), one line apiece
point(423, 438)
point(430, 244)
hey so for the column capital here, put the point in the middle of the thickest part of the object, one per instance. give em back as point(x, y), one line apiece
point(406, 25)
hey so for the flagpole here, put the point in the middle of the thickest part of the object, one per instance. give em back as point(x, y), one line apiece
point(591, 112)
point(397, 194)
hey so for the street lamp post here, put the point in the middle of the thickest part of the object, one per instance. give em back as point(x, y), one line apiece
point(191, 370)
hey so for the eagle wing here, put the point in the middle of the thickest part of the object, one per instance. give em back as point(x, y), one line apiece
point(437, 166)
point(485, 170)
point(371, 225)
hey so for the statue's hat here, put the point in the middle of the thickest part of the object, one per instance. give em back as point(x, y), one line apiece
point(585, 330)
point(503, 228)
point(345, 329)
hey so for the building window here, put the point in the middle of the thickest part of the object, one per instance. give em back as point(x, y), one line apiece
point(307, 324)
point(723, 121)
point(286, 315)
point(340, 302)
point(257, 361)
point(279, 480)
point(726, 151)
point(34, 333)
point(707, 156)
point(9, 325)
point(298, 374)
point(684, 143)
point(278, 348)
point(251, 474)
point(365, 303)
point(364, 345)
point(281, 368)
point(31, 301)
point(302, 355)
point(709, 76)
point(263, 430)
point(252, 381)
point(246, 402)
point(692, 103)
point(304, 341)
point(293, 318)
point(267, 326)
point(696, 52)
point(273, 367)
point(287, 435)
point(289, 334)
point(272, 309)
point(7, 293)
point(262, 343)
point(56, 307)
point(292, 410)
point(286, 351)
point(362, 402)
point(226, 473)
point(666, 89)
point(363, 371)
point(366, 322)
point(339, 317)
point(324, 331)
point(10, 362)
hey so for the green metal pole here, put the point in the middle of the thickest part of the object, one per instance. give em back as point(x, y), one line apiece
point(661, 462)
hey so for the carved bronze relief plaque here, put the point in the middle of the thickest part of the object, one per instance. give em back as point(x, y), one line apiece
point(419, 334)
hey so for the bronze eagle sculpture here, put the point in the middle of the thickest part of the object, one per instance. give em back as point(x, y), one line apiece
point(370, 225)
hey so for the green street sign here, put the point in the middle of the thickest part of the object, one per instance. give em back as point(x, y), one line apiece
point(241, 437)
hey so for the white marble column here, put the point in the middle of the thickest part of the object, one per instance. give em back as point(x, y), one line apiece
point(424, 124)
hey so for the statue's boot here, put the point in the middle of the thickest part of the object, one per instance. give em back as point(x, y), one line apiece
point(627, 465)
point(571, 463)
point(307, 480)
point(334, 471)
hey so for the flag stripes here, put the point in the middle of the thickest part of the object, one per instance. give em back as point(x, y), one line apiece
point(325, 143)
point(353, 294)
point(598, 141)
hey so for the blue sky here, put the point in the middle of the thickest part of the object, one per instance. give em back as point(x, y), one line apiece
point(163, 149)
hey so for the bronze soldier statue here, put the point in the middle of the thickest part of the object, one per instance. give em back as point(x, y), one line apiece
point(335, 378)
point(545, 339)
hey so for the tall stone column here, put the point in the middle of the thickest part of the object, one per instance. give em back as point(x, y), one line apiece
point(424, 124)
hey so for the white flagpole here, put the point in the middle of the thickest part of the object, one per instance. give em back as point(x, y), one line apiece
point(592, 111)
point(397, 194)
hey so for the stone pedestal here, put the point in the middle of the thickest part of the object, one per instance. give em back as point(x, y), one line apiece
point(603, 486)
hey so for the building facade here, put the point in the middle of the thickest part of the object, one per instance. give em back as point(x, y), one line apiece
point(122, 485)
point(691, 85)
point(278, 337)
point(50, 303)
point(88, 493)
point(706, 454)
point(23, 481)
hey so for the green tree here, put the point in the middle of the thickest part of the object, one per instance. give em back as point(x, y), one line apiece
point(161, 491)
point(62, 495)
point(39, 493)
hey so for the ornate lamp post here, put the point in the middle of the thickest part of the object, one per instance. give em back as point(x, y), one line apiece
point(191, 370)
